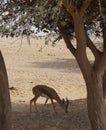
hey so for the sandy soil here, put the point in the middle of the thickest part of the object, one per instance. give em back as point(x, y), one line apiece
point(28, 66)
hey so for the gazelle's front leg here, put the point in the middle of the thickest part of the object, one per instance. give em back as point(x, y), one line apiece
point(53, 105)
point(45, 103)
point(32, 100)
point(35, 106)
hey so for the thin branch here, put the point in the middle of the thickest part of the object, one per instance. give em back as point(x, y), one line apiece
point(20, 44)
point(84, 7)
point(15, 40)
point(101, 11)
point(28, 40)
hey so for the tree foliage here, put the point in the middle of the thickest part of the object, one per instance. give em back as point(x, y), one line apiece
point(27, 17)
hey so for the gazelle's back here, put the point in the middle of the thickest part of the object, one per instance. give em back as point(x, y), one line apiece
point(43, 89)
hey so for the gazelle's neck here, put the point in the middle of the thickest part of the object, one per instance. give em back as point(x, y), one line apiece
point(59, 100)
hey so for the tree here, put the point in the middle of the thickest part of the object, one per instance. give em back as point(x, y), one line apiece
point(68, 19)
point(5, 105)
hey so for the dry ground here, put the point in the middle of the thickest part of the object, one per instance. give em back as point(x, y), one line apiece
point(28, 66)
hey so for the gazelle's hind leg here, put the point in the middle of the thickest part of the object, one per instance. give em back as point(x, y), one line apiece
point(34, 100)
point(46, 101)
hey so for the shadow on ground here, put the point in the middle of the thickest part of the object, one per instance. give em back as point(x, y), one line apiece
point(63, 65)
point(75, 119)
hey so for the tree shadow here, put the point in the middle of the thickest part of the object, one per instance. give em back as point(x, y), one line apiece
point(63, 65)
point(76, 118)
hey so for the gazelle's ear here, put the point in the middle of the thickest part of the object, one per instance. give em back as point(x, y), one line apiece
point(66, 98)
point(63, 100)
point(67, 101)
point(67, 104)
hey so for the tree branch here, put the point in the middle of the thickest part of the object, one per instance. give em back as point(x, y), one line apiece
point(104, 36)
point(67, 41)
point(69, 44)
point(101, 65)
point(93, 48)
point(101, 11)
point(69, 6)
point(85, 5)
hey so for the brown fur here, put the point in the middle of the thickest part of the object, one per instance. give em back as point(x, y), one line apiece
point(49, 93)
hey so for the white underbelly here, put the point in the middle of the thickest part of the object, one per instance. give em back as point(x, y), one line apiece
point(44, 95)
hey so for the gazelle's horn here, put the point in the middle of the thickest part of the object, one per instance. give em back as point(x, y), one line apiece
point(67, 100)
point(63, 100)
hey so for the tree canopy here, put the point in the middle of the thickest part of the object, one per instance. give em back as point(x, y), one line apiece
point(27, 17)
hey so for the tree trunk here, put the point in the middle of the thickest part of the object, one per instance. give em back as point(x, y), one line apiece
point(104, 85)
point(92, 75)
point(104, 41)
point(5, 105)
point(95, 102)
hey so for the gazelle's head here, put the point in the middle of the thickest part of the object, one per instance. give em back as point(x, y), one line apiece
point(34, 90)
point(65, 104)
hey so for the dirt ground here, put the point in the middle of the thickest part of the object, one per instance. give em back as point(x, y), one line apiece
point(38, 63)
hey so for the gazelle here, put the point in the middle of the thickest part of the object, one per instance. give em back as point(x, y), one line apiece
point(48, 93)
